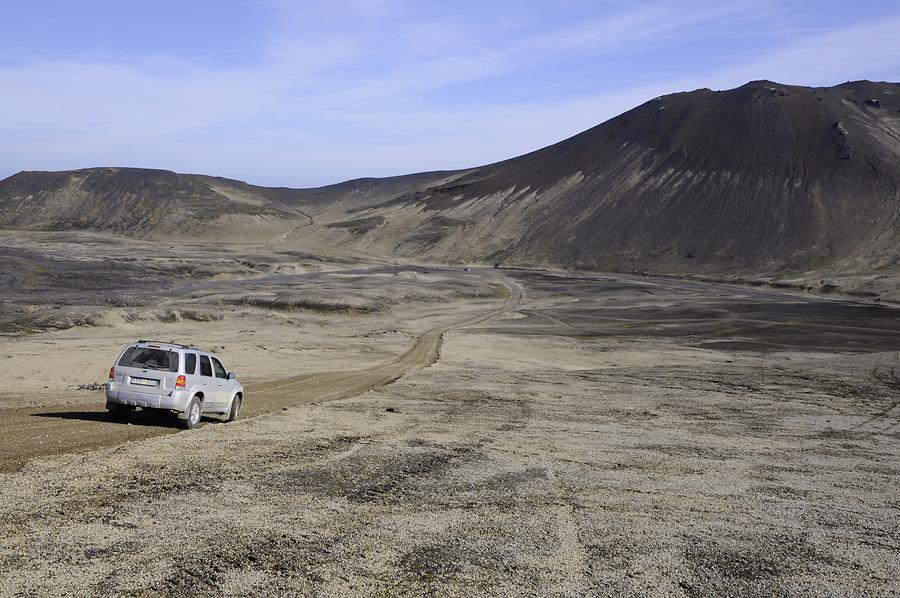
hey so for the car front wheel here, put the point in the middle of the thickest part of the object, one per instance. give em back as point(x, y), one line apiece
point(235, 409)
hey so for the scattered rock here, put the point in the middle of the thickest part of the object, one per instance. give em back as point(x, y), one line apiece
point(841, 140)
point(777, 91)
point(873, 102)
point(392, 410)
point(92, 386)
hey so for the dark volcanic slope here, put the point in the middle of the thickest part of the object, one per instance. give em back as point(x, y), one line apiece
point(119, 199)
point(762, 177)
point(146, 201)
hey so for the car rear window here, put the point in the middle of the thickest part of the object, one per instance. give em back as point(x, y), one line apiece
point(205, 368)
point(151, 359)
point(190, 363)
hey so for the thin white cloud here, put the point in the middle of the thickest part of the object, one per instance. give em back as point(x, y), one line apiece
point(857, 51)
point(358, 100)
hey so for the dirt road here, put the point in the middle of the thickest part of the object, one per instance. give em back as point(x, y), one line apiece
point(35, 432)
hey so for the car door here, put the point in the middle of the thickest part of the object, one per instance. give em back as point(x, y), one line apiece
point(208, 383)
point(222, 386)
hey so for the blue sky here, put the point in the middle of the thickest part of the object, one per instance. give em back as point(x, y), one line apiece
point(308, 93)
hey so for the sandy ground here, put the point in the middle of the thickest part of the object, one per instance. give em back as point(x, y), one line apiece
point(602, 436)
point(299, 338)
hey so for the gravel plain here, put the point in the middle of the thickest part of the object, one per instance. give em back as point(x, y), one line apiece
point(597, 436)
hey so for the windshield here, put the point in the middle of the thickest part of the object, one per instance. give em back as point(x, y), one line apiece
point(151, 359)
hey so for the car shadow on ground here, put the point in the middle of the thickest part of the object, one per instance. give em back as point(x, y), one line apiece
point(138, 418)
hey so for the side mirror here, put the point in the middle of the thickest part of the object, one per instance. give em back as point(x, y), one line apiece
point(231, 375)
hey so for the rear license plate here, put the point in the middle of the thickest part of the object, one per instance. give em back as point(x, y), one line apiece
point(143, 382)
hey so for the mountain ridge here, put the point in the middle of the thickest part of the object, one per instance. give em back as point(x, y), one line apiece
point(762, 177)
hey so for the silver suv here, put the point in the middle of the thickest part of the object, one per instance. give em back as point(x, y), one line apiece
point(183, 380)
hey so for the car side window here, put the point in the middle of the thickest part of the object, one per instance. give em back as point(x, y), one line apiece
point(219, 368)
point(205, 368)
point(190, 363)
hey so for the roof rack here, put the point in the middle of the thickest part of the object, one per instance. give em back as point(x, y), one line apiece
point(144, 341)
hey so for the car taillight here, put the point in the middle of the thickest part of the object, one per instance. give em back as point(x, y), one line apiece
point(180, 382)
point(112, 373)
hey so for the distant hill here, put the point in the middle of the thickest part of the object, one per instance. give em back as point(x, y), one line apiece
point(149, 202)
point(764, 177)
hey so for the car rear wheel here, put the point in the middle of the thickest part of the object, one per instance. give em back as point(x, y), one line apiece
point(192, 414)
point(119, 412)
point(235, 409)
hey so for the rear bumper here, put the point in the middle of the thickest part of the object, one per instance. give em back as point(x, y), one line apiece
point(177, 401)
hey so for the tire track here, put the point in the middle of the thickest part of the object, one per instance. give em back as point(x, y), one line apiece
point(28, 433)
